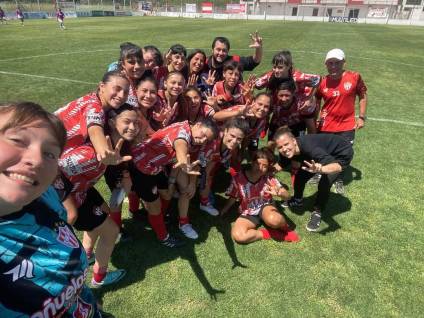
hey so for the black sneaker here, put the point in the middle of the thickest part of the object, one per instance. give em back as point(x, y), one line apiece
point(171, 241)
point(339, 187)
point(292, 203)
point(314, 221)
point(315, 179)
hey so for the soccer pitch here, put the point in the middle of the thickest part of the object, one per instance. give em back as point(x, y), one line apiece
point(368, 260)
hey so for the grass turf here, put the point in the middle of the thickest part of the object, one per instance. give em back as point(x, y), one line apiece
point(367, 261)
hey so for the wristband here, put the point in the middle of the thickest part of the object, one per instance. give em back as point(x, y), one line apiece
point(364, 118)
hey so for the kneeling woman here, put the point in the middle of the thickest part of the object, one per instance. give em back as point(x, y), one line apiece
point(254, 189)
point(43, 264)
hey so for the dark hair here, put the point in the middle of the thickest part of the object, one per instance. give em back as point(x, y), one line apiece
point(124, 107)
point(239, 123)
point(264, 153)
point(25, 113)
point(193, 53)
point(283, 131)
point(107, 77)
point(232, 65)
point(283, 57)
point(148, 79)
point(263, 94)
point(288, 84)
point(178, 49)
point(208, 123)
point(221, 39)
point(129, 50)
point(157, 55)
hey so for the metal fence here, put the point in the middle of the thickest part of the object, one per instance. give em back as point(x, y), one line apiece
point(379, 11)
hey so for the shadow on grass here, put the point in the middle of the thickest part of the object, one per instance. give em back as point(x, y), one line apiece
point(337, 204)
point(351, 174)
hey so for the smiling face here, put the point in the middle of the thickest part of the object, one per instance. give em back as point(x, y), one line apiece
point(335, 67)
point(175, 84)
point(197, 62)
point(220, 52)
point(114, 92)
point(260, 166)
point(149, 60)
point(281, 70)
point(201, 134)
point(287, 146)
point(231, 77)
point(133, 67)
point(261, 106)
point(127, 124)
point(193, 100)
point(147, 94)
point(28, 163)
point(233, 137)
point(177, 61)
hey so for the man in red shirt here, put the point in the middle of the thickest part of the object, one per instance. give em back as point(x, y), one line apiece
point(339, 90)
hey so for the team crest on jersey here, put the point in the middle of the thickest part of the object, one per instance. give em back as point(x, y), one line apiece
point(66, 237)
point(347, 86)
point(97, 211)
point(83, 309)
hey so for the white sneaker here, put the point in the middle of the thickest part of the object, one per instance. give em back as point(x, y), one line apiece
point(210, 209)
point(188, 231)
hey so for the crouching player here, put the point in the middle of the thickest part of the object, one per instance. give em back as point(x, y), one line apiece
point(254, 189)
point(166, 147)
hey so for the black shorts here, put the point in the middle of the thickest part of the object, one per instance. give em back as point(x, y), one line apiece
point(90, 214)
point(348, 135)
point(256, 219)
point(146, 186)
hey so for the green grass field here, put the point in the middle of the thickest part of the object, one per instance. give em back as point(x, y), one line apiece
point(368, 261)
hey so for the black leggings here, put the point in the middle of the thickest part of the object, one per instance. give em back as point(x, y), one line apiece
point(324, 186)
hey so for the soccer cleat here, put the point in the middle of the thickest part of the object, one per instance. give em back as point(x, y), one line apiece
point(110, 278)
point(314, 221)
point(188, 231)
point(171, 241)
point(292, 203)
point(210, 209)
point(339, 187)
point(315, 179)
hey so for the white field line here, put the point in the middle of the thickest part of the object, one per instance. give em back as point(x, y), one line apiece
point(208, 48)
point(47, 77)
point(406, 123)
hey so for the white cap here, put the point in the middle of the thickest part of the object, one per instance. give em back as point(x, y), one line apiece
point(335, 54)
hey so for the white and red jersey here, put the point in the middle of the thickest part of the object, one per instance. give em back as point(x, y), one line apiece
point(251, 195)
point(158, 151)
point(213, 152)
point(132, 96)
point(231, 98)
point(81, 168)
point(160, 74)
point(78, 116)
point(293, 115)
point(338, 112)
point(302, 80)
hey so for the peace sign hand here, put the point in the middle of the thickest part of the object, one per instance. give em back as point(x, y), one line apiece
point(312, 166)
point(111, 156)
point(189, 168)
point(256, 40)
point(192, 80)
